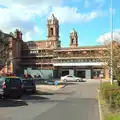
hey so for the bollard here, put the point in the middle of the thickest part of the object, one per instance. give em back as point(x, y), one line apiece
point(56, 83)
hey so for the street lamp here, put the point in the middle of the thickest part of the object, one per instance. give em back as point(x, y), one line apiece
point(111, 37)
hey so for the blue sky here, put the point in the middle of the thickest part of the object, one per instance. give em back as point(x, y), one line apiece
point(90, 18)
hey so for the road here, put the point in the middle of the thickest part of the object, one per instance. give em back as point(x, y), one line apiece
point(75, 101)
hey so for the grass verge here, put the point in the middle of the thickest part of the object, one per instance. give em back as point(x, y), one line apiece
point(107, 112)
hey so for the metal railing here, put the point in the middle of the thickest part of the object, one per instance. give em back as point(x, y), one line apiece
point(75, 61)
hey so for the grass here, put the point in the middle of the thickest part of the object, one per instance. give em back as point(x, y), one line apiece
point(107, 114)
point(108, 85)
point(112, 116)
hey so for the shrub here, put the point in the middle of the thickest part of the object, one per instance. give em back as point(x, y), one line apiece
point(111, 94)
point(115, 99)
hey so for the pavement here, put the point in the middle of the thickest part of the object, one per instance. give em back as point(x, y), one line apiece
point(75, 101)
point(49, 87)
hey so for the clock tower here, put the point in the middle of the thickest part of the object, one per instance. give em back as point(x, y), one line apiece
point(53, 28)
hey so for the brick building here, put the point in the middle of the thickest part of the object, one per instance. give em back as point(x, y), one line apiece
point(49, 55)
point(15, 42)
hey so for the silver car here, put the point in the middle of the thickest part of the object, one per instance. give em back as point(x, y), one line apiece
point(71, 78)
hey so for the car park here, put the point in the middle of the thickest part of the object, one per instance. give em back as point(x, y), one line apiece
point(11, 87)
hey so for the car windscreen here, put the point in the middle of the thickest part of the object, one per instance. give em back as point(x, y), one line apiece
point(28, 82)
point(13, 81)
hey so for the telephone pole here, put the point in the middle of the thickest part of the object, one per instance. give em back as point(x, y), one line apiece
point(111, 37)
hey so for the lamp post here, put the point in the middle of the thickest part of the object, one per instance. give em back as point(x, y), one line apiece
point(111, 37)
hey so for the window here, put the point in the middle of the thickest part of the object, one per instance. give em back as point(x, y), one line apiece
point(51, 31)
point(11, 81)
point(69, 76)
point(72, 40)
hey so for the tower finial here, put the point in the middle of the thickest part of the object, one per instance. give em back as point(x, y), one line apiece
point(73, 38)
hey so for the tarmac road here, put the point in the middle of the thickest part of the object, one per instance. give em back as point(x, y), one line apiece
point(76, 101)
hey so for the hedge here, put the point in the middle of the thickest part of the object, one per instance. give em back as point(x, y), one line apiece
point(111, 94)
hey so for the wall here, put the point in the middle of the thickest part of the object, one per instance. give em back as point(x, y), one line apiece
point(88, 74)
point(43, 73)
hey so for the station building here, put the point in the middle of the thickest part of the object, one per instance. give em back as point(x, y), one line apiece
point(48, 58)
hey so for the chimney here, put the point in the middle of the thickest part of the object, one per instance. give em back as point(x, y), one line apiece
point(18, 34)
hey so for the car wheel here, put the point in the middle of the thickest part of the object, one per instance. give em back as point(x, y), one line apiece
point(65, 80)
point(77, 80)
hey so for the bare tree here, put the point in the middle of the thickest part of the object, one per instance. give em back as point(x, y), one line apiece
point(4, 48)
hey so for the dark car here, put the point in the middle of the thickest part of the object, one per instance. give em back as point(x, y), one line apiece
point(29, 85)
point(11, 87)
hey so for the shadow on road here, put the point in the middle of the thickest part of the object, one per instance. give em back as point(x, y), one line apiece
point(71, 83)
point(43, 93)
point(64, 93)
point(55, 93)
point(83, 81)
point(68, 83)
point(33, 97)
point(76, 101)
point(12, 103)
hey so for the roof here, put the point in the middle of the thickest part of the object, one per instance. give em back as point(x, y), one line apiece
point(73, 31)
point(53, 18)
point(81, 48)
point(41, 44)
point(35, 41)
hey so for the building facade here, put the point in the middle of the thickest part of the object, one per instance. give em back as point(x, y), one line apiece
point(85, 62)
point(14, 55)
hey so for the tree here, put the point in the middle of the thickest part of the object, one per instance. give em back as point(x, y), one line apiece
point(4, 48)
point(115, 59)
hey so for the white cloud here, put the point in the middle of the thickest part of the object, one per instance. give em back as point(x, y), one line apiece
point(72, 15)
point(35, 31)
point(105, 38)
point(13, 18)
point(22, 14)
point(31, 2)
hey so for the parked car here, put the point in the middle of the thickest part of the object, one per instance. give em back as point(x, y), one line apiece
point(71, 78)
point(29, 85)
point(11, 87)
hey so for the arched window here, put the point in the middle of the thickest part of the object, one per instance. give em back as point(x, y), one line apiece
point(51, 31)
point(72, 40)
